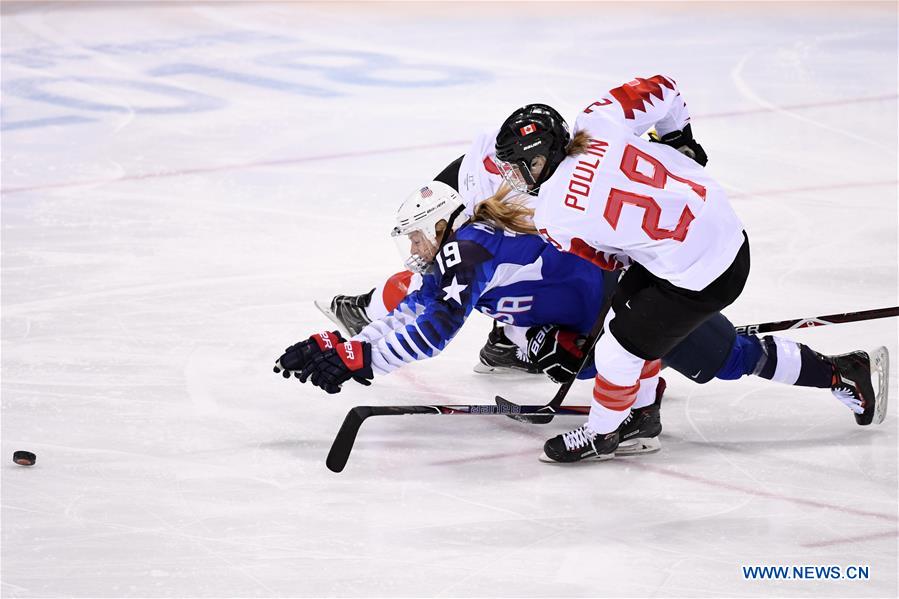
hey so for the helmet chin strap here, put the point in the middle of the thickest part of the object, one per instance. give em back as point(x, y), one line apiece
point(526, 173)
point(449, 225)
point(454, 216)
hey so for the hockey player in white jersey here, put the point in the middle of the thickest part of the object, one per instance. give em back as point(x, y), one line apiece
point(608, 192)
point(548, 300)
point(475, 177)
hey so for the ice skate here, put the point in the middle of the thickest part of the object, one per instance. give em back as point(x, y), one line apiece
point(580, 444)
point(347, 312)
point(639, 433)
point(500, 355)
point(861, 381)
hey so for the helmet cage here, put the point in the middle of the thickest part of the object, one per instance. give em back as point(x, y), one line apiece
point(415, 233)
point(518, 175)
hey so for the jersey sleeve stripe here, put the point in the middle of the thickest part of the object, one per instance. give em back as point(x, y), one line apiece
point(416, 336)
point(405, 346)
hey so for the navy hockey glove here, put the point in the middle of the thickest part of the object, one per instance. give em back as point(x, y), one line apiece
point(557, 352)
point(298, 355)
point(350, 360)
point(683, 142)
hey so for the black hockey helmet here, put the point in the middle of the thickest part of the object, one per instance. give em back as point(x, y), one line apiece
point(531, 131)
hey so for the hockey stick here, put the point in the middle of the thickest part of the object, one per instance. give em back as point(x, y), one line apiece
point(346, 436)
point(545, 415)
point(817, 321)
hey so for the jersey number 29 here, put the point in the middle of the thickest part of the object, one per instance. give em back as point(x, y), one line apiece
point(652, 211)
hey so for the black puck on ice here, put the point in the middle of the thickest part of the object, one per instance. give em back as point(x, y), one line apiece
point(24, 458)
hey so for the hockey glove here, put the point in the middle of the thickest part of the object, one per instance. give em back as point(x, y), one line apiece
point(557, 352)
point(683, 142)
point(329, 370)
point(298, 355)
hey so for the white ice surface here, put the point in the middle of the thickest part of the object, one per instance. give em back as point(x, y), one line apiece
point(156, 261)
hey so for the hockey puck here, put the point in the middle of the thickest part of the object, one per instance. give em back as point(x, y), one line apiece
point(24, 458)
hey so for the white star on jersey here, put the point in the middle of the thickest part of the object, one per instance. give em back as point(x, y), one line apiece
point(454, 291)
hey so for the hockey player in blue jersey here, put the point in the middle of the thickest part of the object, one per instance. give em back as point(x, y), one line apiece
point(547, 300)
point(517, 279)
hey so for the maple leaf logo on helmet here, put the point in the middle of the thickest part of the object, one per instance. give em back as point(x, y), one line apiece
point(531, 131)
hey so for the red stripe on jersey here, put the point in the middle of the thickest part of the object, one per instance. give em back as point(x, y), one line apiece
point(581, 248)
point(639, 92)
point(490, 166)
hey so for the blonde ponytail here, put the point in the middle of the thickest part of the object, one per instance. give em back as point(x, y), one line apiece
point(513, 214)
point(578, 145)
point(506, 213)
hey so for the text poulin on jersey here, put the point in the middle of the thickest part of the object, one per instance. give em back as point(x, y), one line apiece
point(578, 196)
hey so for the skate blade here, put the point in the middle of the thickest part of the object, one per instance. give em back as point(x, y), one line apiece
point(482, 368)
point(638, 446)
point(325, 308)
point(880, 364)
point(601, 458)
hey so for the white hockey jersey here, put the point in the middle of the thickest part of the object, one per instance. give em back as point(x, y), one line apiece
point(479, 177)
point(644, 200)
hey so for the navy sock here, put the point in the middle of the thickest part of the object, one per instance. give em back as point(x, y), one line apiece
point(786, 361)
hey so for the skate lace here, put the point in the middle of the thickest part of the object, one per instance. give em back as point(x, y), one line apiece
point(521, 355)
point(848, 396)
point(579, 437)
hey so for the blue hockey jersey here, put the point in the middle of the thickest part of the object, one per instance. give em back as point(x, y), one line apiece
point(517, 279)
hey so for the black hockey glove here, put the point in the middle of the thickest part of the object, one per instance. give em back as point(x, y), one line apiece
point(557, 352)
point(298, 355)
point(330, 369)
point(683, 142)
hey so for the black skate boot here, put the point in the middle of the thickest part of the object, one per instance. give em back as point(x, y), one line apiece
point(580, 444)
point(854, 384)
point(348, 312)
point(639, 432)
point(501, 355)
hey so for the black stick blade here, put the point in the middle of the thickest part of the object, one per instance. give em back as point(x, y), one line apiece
point(346, 437)
point(512, 411)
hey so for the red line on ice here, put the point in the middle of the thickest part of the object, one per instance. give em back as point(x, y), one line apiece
point(761, 493)
point(884, 98)
point(729, 487)
point(861, 538)
point(292, 161)
point(232, 167)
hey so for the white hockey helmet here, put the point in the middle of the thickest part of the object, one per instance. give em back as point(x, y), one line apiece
point(416, 233)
